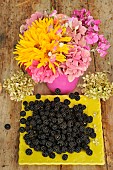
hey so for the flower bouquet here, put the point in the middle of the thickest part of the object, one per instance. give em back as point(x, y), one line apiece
point(56, 47)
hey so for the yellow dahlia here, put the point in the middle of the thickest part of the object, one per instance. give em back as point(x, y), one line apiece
point(44, 41)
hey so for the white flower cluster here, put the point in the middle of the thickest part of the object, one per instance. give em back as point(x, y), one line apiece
point(19, 86)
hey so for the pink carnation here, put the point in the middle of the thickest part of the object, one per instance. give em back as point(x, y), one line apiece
point(77, 62)
point(42, 74)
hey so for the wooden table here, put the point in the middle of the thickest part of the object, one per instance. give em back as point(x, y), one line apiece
point(12, 15)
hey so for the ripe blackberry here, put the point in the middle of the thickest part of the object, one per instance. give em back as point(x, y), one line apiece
point(83, 107)
point(76, 94)
point(26, 108)
point(57, 91)
point(71, 95)
point(31, 103)
point(22, 129)
point(38, 96)
point(89, 130)
point(93, 135)
point(48, 144)
point(29, 118)
point(25, 103)
point(89, 152)
point(64, 157)
point(28, 151)
point(57, 137)
point(64, 149)
point(77, 149)
point(67, 102)
point(60, 120)
point(90, 119)
point(37, 148)
point(77, 98)
point(52, 155)
point(56, 99)
point(7, 126)
point(45, 154)
point(22, 120)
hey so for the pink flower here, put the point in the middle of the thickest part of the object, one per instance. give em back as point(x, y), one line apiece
point(103, 46)
point(77, 62)
point(76, 31)
point(29, 21)
point(42, 74)
point(92, 38)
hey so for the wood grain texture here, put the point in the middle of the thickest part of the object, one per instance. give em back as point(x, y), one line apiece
point(13, 13)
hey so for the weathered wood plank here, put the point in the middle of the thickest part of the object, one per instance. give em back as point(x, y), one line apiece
point(103, 10)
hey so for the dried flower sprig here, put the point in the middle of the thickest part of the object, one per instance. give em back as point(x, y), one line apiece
point(97, 86)
point(19, 86)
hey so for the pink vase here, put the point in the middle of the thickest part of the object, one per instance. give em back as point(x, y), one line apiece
point(63, 84)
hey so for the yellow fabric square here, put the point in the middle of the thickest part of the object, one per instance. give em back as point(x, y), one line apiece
point(93, 109)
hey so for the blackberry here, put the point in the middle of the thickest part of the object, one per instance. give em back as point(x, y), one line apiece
point(64, 149)
point(89, 130)
point(50, 150)
point(76, 94)
point(64, 157)
point(25, 103)
point(23, 113)
point(33, 122)
point(70, 123)
point(77, 98)
point(26, 137)
point(31, 103)
point(52, 155)
point(57, 137)
point(43, 148)
point(63, 125)
point(56, 99)
point(26, 108)
point(22, 120)
point(29, 118)
point(41, 103)
point(48, 144)
point(38, 96)
point(87, 140)
point(71, 95)
point(92, 135)
point(54, 127)
point(37, 148)
point(45, 154)
point(57, 91)
point(89, 152)
point(27, 128)
point(28, 151)
point(67, 102)
point(60, 120)
point(90, 119)
point(78, 149)
point(63, 137)
point(22, 129)
point(54, 120)
point(83, 107)
point(7, 126)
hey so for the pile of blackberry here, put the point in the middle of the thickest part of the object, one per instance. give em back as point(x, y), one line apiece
point(55, 127)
